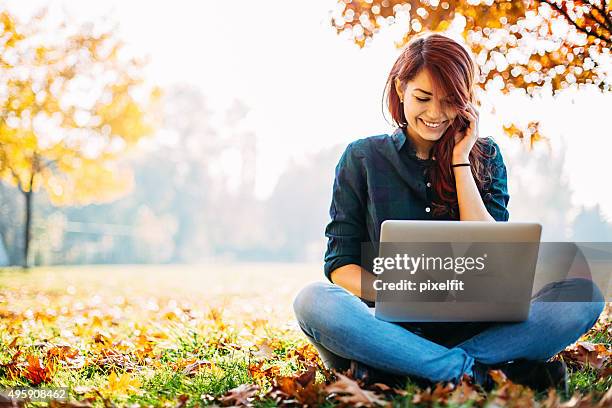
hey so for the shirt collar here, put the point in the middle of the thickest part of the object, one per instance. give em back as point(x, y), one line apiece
point(400, 140)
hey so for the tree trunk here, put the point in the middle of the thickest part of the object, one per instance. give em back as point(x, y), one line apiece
point(28, 221)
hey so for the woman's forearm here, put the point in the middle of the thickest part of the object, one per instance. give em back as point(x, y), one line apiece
point(471, 207)
point(351, 277)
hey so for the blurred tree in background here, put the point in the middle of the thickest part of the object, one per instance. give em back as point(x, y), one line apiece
point(72, 103)
point(527, 44)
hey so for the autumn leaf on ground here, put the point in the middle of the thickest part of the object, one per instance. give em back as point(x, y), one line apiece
point(595, 355)
point(513, 395)
point(13, 367)
point(606, 400)
point(36, 373)
point(265, 348)
point(258, 373)
point(349, 392)
point(241, 396)
point(254, 325)
point(463, 393)
point(306, 353)
point(109, 357)
point(66, 355)
point(498, 376)
point(194, 366)
point(385, 389)
point(300, 388)
point(120, 385)
point(439, 395)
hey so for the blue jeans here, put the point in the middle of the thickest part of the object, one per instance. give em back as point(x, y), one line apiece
point(342, 328)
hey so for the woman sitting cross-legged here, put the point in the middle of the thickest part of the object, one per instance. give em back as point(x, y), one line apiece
point(433, 167)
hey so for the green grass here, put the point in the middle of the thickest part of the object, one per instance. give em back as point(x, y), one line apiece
point(213, 313)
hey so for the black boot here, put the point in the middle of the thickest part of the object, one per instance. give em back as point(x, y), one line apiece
point(370, 375)
point(537, 375)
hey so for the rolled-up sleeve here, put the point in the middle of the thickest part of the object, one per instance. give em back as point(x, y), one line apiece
point(496, 195)
point(347, 228)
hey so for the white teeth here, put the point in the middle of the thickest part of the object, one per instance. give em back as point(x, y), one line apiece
point(432, 125)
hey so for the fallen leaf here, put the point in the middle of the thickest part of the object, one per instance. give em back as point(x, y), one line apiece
point(241, 396)
point(121, 384)
point(606, 400)
point(463, 393)
point(438, 395)
point(193, 367)
point(36, 373)
point(13, 367)
point(349, 392)
point(183, 398)
point(586, 353)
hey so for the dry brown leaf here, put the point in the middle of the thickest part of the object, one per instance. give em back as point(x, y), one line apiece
point(241, 396)
point(111, 358)
point(292, 385)
point(595, 355)
point(349, 392)
point(552, 399)
point(67, 356)
point(36, 373)
point(306, 353)
point(385, 389)
point(606, 400)
point(13, 367)
point(182, 401)
point(463, 393)
point(438, 395)
point(265, 350)
point(192, 368)
point(498, 376)
point(257, 373)
point(513, 395)
point(578, 401)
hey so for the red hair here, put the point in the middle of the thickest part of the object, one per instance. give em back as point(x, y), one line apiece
point(453, 74)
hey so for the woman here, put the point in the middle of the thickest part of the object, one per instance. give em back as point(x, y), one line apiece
point(433, 167)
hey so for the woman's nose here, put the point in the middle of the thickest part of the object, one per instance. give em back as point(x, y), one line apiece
point(435, 111)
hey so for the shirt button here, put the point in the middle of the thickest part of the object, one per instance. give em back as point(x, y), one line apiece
point(427, 209)
point(428, 184)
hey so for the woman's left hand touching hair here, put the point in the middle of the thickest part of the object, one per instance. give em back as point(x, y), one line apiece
point(465, 140)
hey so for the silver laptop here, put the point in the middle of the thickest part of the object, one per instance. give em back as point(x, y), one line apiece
point(499, 293)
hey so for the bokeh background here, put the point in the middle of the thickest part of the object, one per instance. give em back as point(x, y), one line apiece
point(143, 132)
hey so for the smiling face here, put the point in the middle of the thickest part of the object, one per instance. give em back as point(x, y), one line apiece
point(428, 115)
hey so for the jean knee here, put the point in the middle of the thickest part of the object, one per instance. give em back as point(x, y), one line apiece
point(308, 300)
point(593, 301)
point(587, 303)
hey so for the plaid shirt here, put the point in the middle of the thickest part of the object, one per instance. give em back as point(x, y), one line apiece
point(381, 178)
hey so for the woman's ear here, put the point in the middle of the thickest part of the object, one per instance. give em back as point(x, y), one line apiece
point(398, 89)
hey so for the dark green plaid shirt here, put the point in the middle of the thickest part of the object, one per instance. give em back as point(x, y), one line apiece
point(381, 178)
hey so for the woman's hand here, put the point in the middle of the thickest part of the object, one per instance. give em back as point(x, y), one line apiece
point(464, 141)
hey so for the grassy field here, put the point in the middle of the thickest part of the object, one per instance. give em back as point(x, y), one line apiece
point(218, 335)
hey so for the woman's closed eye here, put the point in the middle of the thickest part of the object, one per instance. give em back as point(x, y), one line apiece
point(447, 102)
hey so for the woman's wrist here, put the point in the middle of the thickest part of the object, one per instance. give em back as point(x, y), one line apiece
point(457, 159)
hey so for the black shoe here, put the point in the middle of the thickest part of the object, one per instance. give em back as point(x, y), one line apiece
point(534, 374)
point(370, 375)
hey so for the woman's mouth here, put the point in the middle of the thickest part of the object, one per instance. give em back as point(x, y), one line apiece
point(432, 125)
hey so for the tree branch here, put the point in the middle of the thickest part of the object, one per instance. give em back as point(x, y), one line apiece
point(602, 11)
point(554, 5)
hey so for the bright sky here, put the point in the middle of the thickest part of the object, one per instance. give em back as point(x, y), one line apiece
point(308, 88)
